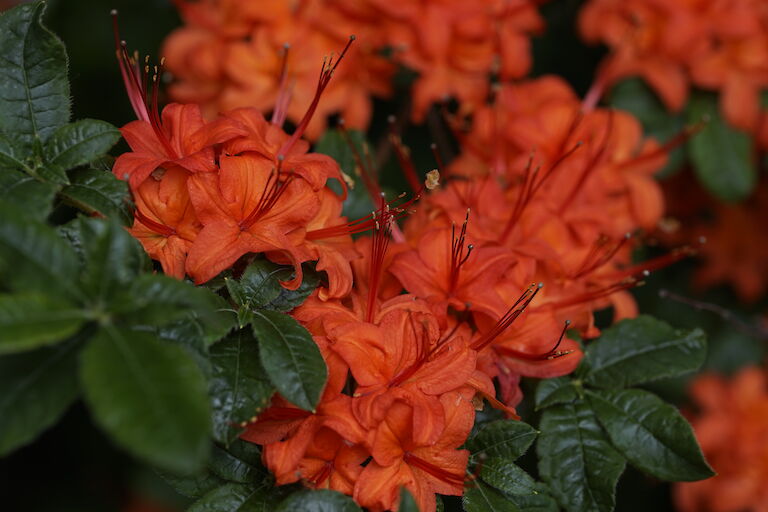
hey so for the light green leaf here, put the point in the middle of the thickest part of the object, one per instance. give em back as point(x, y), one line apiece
point(94, 191)
point(150, 396)
point(80, 142)
point(323, 500)
point(577, 460)
point(723, 156)
point(239, 385)
point(502, 438)
point(651, 434)
point(34, 97)
point(641, 350)
point(35, 390)
point(30, 320)
point(290, 357)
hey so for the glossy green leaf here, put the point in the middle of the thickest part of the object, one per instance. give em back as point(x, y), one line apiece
point(52, 173)
point(11, 157)
point(634, 96)
point(318, 501)
point(506, 476)
point(481, 498)
point(535, 502)
point(113, 258)
point(78, 143)
point(641, 350)
point(31, 320)
point(230, 467)
point(502, 438)
point(149, 396)
point(290, 357)
point(722, 155)
point(34, 258)
point(576, 459)
point(94, 191)
point(34, 97)
point(32, 196)
point(260, 288)
point(239, 385)
point(651, 434)
point(35, 390)
point(192, 486)
point(560, 390)
point(234, 497)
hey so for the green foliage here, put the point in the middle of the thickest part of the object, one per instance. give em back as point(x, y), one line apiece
point(502, 438)
point(318, 501)
point(587, 435)
point(259, 287)
point(482, 498)
point(722, 155)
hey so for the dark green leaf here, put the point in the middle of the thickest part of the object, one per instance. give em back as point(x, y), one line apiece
point(149, 396)
point(407, 503)
point(34, 257)
point(722, 155)
point(641, 350)
point(80, 142)
point(239, 385)
point(481, 498)
point(52, 173)
point(535, 503)
point(34, 97)
point(506, 476)
point(194, 486)
point(634, 96)
point(576, 460)
point(502, 438)
point(28, 194)
point(318, 501)
point(113, 258)
point(290, 357)
point(232, 497)
point(259, 287)
point(11, 158)
point(35, 390)
point(231, 468)
point(94, 191)
point(555, 391)
point(651, 434)
point(30, 320)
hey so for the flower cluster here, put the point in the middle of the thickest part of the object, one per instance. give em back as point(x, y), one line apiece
point(228, 53)
point(441, 309)
point(720, 46)
point(731, 427)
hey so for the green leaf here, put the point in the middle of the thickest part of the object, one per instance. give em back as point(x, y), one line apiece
point(34, 257)
point(233, 497)
point(576, 460)
point(722, 155)
point(149, 396)
point(30, 320)
point(259, 287)
point(290, 357)
point(634, 96)
point(35, 390)
point(502, 438)
point(113, 258)
point(651, 434)
point(194, 486)
point(482, 498)
point(33, 197)
point(11, 158)
point(80, 142)
point(231, 468)
point(52, 173)
point(642, 350)
point(239, 385)
point(94, 191)
point(407, 502)
point(323, 500)
point(34, 98)
point(560, 390)
point(535, 503)
point(506, 476)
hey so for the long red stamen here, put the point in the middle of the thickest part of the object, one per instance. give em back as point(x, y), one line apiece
point(284, 94)
point(283, 413)
point(509, 317)
point(439, 473)
point(458, 256)
point(273, 190)
point(552, 353)
point(326, 73)
point(600, 293)
point(322, 474)
point(657, 263)
point(160, 229)
point(382, 233)
point(600, 254)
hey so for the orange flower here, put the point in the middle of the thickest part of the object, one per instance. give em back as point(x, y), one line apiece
point(731, 427)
